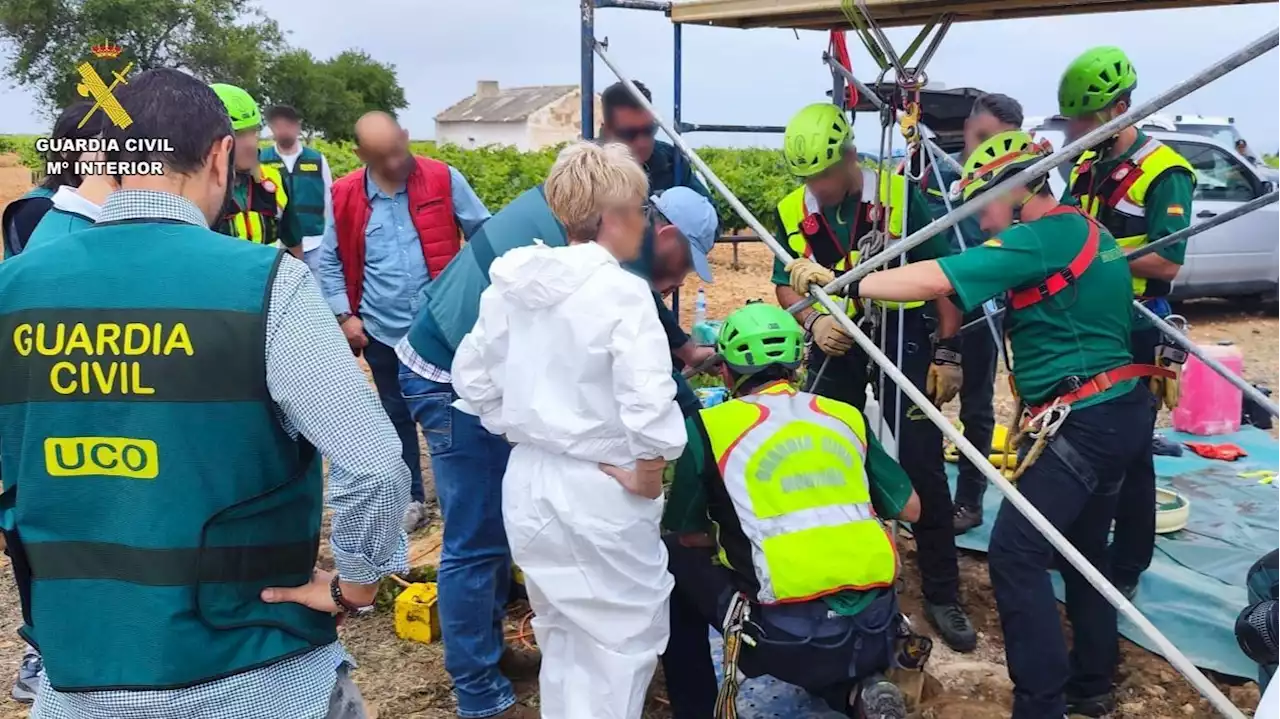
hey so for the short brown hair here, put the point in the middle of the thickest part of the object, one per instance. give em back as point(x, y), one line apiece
point(588, 179)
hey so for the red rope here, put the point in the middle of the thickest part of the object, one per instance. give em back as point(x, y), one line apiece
point(840, 50)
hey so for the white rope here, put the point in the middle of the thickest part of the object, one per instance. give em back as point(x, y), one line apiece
point(1175, 657)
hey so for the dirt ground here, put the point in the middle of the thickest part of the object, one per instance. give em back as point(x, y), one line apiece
point(407, 679)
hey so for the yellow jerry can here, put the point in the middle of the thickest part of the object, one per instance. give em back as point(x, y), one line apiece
point(417, 614)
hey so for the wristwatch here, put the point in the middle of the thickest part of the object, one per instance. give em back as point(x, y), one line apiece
point(344, 317)
point(345, 607)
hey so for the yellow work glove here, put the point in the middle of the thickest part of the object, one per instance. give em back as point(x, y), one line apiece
point(945, 375)
point(830, 336)
point(805, 272)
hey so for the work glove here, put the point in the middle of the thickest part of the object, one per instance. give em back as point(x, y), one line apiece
point(645, 480)
point(830, 336)
point(805, 272)
point(945, 375)
point(1166, 389)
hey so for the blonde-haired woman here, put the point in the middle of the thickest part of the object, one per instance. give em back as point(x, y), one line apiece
point(569, 361)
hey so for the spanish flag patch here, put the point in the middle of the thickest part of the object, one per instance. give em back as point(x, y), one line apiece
point(993, 242)
point(1175, 211)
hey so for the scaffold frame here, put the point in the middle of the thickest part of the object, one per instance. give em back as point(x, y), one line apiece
point(823, 295)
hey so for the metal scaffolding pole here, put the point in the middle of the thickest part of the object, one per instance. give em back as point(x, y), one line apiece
point(1178, 337)
point(1188, 232)
point(1251, 51)
point(979, 459)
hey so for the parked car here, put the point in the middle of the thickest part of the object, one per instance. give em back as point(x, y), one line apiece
point(1237, 259)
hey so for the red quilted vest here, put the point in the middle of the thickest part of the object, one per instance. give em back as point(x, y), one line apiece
point(430, 207)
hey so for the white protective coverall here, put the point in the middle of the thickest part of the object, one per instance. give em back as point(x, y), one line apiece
point(569, 361)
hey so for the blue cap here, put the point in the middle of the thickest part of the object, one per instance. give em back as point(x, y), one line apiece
point(696, 218)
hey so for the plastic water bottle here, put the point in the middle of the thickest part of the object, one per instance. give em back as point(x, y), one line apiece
point(700, 308)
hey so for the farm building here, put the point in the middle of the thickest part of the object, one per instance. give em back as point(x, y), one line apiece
point(527, 118)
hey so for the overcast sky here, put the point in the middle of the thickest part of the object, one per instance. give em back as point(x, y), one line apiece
point(759, 76)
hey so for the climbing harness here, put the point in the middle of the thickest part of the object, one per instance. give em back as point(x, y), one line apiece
point(735, 620)
point(1070, 553)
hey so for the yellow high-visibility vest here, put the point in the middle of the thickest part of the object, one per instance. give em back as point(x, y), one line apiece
point(794, 468)
point(1118, 201)
point(799, 204)
point(259, 220)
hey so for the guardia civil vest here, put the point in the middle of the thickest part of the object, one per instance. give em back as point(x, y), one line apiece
point(150, 491)
point(793, 515)
point(800, 204)
point(304, 186)
point(259, 219)
point(1118, 200)
point(12, 243)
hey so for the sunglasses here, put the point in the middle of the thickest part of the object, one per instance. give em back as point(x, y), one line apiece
point(627, 134)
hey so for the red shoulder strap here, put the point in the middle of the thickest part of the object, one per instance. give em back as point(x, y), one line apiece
point(1064, 278)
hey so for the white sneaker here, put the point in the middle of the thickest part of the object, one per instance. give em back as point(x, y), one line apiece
point(415, 517)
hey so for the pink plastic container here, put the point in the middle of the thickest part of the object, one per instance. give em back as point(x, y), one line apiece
point(1209, 404)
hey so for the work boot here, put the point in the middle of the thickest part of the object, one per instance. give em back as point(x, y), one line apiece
point(520, 664)
point(27, 684)
point(1099, 706)
point(878, 698)
point(953, 625)
point(966, 518)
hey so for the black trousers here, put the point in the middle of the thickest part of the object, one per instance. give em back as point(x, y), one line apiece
point(1134, 541)
point(919, 443)
point(800, 644)
point(1075, 484)
point(977, 405)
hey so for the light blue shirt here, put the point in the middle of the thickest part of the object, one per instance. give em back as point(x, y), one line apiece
point(395, 271)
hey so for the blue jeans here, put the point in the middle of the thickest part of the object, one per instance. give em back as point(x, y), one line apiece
point(475, 562)
point(1076, 488)
point(384, 366)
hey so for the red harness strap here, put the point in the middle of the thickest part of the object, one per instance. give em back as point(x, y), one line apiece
point(1062, 279)
point(1105, 381)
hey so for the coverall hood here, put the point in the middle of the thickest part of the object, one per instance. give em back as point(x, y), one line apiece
point(539, 276)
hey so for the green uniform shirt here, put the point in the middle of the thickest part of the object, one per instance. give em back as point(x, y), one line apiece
point(843, 217)
point(1172, 189)
point(1081, 331)
point(687, 500)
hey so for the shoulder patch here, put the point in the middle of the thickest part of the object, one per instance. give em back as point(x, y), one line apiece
point(1175, 211)
point(993, 242)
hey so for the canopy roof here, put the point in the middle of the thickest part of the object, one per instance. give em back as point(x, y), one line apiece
point(827, 15)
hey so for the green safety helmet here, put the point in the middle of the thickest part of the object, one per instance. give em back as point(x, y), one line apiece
point(999, 157)
point(240, 106)
point(1094, 80)
point(759, 336)
point(816, 139)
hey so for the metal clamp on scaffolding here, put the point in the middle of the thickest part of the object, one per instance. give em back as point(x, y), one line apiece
point(821, 295)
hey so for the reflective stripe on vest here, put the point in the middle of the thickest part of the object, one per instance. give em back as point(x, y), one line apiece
point(259, 220)
point(793, 465)
point(799, 204)
point(1118, 201)
point(147, 399)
